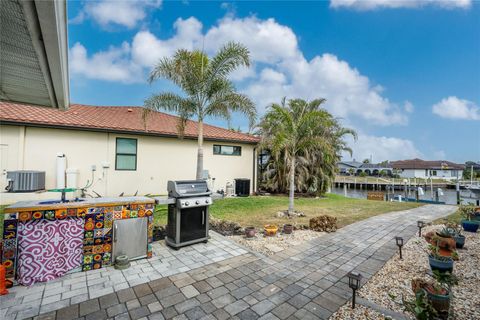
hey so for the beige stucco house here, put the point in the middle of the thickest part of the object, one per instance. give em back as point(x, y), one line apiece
point(118, 149)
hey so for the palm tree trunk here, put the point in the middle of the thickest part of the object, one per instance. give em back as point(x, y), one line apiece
point(292, 186)
point(200, 150)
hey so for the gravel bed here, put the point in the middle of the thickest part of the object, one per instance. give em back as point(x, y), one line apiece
point(280, 242)
point(359, 313)
point(396, 275)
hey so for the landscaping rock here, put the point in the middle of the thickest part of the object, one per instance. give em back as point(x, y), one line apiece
point(225, 227)
point(324, 223)
point(285, 214)
point(395, 278)
point(280, 242)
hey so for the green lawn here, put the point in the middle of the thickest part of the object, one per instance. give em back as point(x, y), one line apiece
point(259, 211)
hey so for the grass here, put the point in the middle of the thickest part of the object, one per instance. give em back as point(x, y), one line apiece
point(258, 211)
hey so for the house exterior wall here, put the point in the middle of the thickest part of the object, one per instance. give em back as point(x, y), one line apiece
point(159, 159)
point(423, 173)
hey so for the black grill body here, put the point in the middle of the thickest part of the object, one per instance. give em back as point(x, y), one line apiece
point(188, 215)
point(242, 187)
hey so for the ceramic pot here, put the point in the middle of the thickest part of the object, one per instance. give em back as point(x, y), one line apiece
point(439, 302)
point(287, 229)
point(470, 226)
point(270, 230)
point(459, 241)
point(250, 232)
point(441, 265)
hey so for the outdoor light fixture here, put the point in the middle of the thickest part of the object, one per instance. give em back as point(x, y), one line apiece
point(420, 225)
point(399, 241)
point(354, 279)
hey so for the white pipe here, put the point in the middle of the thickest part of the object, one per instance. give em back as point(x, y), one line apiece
point(61, 167)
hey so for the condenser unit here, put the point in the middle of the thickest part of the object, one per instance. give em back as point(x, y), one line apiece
point(25, 181)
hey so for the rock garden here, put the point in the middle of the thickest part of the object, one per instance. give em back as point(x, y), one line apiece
point(273, 238)
point(438, 276)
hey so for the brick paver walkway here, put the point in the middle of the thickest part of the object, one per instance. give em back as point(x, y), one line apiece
point(304, 282)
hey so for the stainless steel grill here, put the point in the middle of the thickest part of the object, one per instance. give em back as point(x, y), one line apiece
point(188, 214)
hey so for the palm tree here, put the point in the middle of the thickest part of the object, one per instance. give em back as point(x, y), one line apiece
point(207, 91)
point(304, 141)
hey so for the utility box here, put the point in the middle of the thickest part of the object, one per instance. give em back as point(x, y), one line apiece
point(242, 187)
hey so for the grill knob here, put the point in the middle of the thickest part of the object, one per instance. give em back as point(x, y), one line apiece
point(197, 202)
point(187, 203)
point(207, 201)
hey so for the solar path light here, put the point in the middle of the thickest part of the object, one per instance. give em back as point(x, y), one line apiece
point(354, 279)
point(399, 241)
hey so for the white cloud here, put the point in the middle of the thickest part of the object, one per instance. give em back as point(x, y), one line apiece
point(110, 12)
point(278, 67)
point(382, 148)
point(395, 4)
point(112, 65)
point(455, 108)
point(408, 106)
point(147, 49)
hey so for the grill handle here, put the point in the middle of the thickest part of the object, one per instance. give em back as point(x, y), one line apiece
point(115, 232)
point(203, 217)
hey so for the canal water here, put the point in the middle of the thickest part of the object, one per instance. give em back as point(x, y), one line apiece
point(449, 195)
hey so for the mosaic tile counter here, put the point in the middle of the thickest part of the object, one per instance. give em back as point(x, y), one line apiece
point(42, 242)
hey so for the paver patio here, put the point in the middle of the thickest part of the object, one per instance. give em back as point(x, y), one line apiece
point(303, 282)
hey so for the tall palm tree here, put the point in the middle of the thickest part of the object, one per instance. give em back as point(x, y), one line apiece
point(207, 91)
point(304, 141)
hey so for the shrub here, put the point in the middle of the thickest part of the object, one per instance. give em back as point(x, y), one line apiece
point(324, 223)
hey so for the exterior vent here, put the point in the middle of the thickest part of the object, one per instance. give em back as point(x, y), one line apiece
point(25, 181)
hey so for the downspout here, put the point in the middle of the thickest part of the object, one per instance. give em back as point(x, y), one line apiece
point(254, 169)
point(21, 147)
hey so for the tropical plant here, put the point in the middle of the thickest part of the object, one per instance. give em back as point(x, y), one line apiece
point(304, 142)
point(467, 211)
point(420, 307)
point(207, 91)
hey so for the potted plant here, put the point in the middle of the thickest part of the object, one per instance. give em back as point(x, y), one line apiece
point(470, 222)
point(421, 307)
point(439, 262)
point(438, 292)
point(459, 238)
point(250, 232)
point(287, 229)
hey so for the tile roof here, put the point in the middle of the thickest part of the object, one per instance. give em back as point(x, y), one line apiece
point(422, 164)
point(113, 118)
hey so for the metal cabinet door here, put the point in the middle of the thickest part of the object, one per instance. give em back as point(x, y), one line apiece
point(130, 238)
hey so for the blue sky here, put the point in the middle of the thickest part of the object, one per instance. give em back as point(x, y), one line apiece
point(404, 74)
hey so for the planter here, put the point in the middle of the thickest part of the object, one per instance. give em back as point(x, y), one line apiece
point(470, 226)
point(270, 230)
point(250, 232)
point(459, 241)
point(440, 302)
point(441, 265)
point(476, 217)
point(287, 229)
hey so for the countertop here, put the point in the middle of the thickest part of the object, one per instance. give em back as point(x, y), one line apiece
point(88, 202)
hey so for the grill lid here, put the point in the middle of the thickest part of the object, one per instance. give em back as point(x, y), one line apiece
point(187, 188)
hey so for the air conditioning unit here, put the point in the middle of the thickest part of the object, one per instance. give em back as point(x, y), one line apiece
point(25, 181)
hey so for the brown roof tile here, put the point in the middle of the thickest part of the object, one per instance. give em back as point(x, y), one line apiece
point(113, 118)
point(423, 164)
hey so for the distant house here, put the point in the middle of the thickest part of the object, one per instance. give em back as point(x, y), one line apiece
point(357, 168)
point(345, 167)
point(418, 168)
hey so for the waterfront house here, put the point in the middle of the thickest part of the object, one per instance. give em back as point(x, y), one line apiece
point(418, 168)
point(114, 147)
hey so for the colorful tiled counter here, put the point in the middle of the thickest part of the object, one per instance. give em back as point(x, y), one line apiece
point(44, 241)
